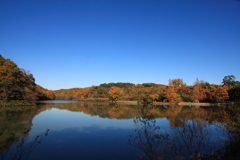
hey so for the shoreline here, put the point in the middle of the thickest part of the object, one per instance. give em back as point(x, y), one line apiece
point(31, 103)
point(180, 103)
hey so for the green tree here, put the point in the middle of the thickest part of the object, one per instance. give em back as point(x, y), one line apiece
point(229, 81)
point(234, 93)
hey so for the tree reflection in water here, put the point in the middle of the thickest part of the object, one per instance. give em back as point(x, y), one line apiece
point(190, 141)
point(150, 140)
point(231, 130)
point(23, 149)
point(15, 125)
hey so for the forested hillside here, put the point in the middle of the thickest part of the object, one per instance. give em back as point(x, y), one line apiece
point(19, 84)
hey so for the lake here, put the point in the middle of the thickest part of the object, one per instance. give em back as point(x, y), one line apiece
point(95, 131)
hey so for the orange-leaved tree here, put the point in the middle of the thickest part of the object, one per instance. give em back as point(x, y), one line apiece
point(115, 93)
point(171, 94)
point(221, 94)
point(217, 93)
point(198, 93)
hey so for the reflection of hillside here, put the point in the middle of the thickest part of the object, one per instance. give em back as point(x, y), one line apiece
point(17, 122)
point(176, 114)
point(192, 135)
point(103, 110)
point(191, 140)
point(113, 111)
point(179, 114)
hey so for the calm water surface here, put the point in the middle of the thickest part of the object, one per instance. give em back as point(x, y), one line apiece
point(93, 131)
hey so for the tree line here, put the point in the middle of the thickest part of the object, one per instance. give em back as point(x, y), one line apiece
point(175, 91)
point(19, 84)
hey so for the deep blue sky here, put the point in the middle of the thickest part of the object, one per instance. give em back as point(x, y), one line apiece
point(80, 43)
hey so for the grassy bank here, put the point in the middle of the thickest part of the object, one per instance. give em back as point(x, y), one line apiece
point(16, 103)
point(96, 99)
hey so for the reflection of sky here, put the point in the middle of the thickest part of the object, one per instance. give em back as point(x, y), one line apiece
point(80, 135)
point(94, 143)
point(56, 120)
point(75, 134)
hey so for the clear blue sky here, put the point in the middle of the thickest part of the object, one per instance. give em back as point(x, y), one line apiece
point(80, 43)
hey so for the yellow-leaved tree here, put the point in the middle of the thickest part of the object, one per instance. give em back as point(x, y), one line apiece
point(115, 93)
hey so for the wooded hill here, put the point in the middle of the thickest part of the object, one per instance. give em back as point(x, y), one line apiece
point(19, 84)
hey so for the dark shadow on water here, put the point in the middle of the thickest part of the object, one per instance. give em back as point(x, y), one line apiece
point(188, 142)
point(15, 126)
point(150, 140)
point(20, 149)
point(191, 140)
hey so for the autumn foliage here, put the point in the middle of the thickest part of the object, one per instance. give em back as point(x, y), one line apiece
point(115, 93)
point(221, 94)
point(19, 84)
point(171, 94)
point(198, 92)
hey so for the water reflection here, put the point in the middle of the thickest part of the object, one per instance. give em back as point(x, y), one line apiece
point(192, 139)
point(101, 130)
point(15, 125)
point(151, 140)
point(17, 120)
point(175, 114)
